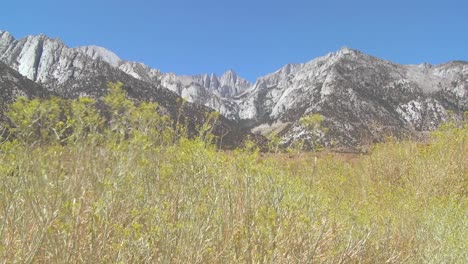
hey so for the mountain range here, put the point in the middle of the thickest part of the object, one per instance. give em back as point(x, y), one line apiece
point(362, 98)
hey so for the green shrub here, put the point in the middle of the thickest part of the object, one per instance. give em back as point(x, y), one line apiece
point(81, 186)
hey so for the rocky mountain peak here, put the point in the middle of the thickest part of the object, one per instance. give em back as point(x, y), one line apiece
point(348, 50)
point(230, 75)
point(5, 40)
point(6, 37)
point(48, 60)
point(361, 97)
point(425, 65)
point(231, 84)
point(28, 55)
point(140, 71)
point(214, 82)
point(100, 53)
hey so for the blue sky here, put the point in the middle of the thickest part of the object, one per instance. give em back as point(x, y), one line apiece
point(253, 37)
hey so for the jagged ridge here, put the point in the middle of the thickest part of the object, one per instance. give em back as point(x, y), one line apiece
point(76, 72)
point(361, 97)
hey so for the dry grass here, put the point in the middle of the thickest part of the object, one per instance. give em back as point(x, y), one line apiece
point(189, 203)
point(129, 193)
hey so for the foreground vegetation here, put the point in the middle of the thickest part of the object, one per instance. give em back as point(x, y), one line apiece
point(130, 187)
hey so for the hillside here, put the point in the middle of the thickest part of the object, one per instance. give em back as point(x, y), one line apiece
point(139, 190)
point(363, 99)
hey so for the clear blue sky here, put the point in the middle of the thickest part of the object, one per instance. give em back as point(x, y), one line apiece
point(253, 37)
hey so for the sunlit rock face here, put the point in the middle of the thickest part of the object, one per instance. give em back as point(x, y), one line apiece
point(362, 98)
point(39, 64)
